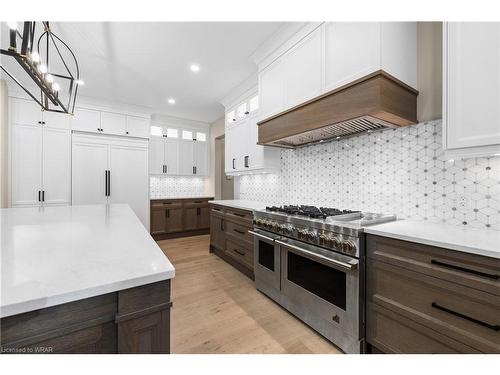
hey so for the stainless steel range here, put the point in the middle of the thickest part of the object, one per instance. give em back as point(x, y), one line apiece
point(311, 261)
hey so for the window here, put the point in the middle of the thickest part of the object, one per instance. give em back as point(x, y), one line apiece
point(241, 111)
point(254, 103)
point(172, 133)
point(186, 134)
point(156, 130)
point(202, 137)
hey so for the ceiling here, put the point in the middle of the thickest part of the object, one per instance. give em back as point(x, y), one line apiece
point(145, 63)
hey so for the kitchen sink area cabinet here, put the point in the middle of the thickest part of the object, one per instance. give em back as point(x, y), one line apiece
point(229, 237)
point(172, 218)
point(425, 299)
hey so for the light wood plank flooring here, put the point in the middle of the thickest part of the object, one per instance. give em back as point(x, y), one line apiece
point(216, 309)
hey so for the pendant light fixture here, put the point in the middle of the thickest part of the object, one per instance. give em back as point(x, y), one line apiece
point(39, 66)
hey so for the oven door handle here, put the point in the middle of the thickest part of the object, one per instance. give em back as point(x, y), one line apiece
point(314, 256)
point(261, 236)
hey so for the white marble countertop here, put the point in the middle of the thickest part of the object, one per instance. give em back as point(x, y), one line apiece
point(468, 240)
point(240, 203)
point(200, 197)
point(54, 255)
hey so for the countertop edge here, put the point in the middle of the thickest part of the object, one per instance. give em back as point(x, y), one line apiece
point(436, 243)
point(236, 205)
point(42, 303)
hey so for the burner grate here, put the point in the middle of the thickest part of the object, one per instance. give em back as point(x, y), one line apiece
point(310, 211)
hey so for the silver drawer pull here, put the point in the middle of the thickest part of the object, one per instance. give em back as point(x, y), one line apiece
point(466, 317)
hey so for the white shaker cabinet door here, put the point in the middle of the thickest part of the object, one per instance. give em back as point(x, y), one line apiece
point(137, 127)
point(303, 70)
point(25, 112)
point(89, 163)
point(86, 120)
point(56, 156)
point(256, 152)
point(129, 181)
point(26, 164)
point(200, 158)
point(230, 146)
point(272, 89)
point(186, 162)
point(472, 88)
point(113, 123)
point(171, 156)
point(352, 50)
point(156, 155)
point(56, 120)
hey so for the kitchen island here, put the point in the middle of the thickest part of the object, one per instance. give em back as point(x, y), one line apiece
point(82, 279)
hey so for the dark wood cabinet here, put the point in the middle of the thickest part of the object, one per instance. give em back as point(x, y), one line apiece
point(179, 217)
point(135, 320)
point(423, 299)
point(229, 237)
point(174, 219)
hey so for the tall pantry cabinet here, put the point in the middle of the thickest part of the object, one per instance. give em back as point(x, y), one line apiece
point(40, 145)
point(107, 169)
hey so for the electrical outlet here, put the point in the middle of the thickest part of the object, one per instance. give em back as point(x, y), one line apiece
point(462, 201)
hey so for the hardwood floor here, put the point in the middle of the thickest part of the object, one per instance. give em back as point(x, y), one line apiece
point(216, 309)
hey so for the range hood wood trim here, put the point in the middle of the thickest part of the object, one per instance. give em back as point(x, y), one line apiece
point(379, 95)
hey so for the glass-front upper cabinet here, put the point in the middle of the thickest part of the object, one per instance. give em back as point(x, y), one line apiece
point(243, 109)
point(201, 137)
point(164, 131)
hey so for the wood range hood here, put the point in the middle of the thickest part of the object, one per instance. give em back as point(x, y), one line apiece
point(376, 101)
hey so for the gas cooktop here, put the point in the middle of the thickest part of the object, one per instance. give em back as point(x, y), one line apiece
point(312, 211)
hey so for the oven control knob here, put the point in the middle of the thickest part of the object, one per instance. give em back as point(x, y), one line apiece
point(312, 236)
point(287, 229)
point(348, 246)
point(323, 239)
point(336, 244)
point(302, 233)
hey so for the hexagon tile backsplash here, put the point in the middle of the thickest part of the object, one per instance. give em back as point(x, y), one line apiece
point(402, 171)
point(161, 187)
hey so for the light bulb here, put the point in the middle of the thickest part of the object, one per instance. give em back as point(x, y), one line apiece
point(80, 82)
point(194, 68)
point(55, 86)
point(42, 68)
point(171, 101)
point(12, 25)
point(49, 78)
point(35, 57)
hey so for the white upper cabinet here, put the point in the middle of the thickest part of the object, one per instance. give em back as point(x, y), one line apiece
point(471, 89)
point(40, 155)
point(351, 51)
point(303, 70)
point(200, 158)
point(137, 127)
point(335, 54)
point(186, 157)
point(113, 123)
point(156, 155)
point(230, 147)
point(171, 156)
point(86, 120)
point(272, 89)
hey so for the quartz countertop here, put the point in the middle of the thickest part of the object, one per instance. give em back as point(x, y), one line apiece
point(240, 203)
point(468, 240)
point(54, 255)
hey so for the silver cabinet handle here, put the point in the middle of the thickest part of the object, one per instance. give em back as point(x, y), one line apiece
point(312, 255)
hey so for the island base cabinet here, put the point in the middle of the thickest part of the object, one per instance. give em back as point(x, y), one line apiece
point(135, 320)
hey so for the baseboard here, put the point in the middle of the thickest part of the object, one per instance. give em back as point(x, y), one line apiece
point(189, 233)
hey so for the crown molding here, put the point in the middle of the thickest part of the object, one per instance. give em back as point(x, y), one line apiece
point(240, 92)
point(178, 121)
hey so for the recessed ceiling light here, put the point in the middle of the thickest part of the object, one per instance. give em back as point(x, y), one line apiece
point(171, 101)
point(194, 68)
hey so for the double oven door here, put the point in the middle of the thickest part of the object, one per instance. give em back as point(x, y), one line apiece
point(319, 286)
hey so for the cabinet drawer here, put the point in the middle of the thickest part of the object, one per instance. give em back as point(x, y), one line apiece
point(240, 251)
point(469, 270)
point(392, 333)
point(240, 232)
point(240, 216)
point(464, 314)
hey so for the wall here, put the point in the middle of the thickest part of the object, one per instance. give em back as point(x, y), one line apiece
point(401, 171)
point(216, 130)
point(3, 145)
point(429, 70)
